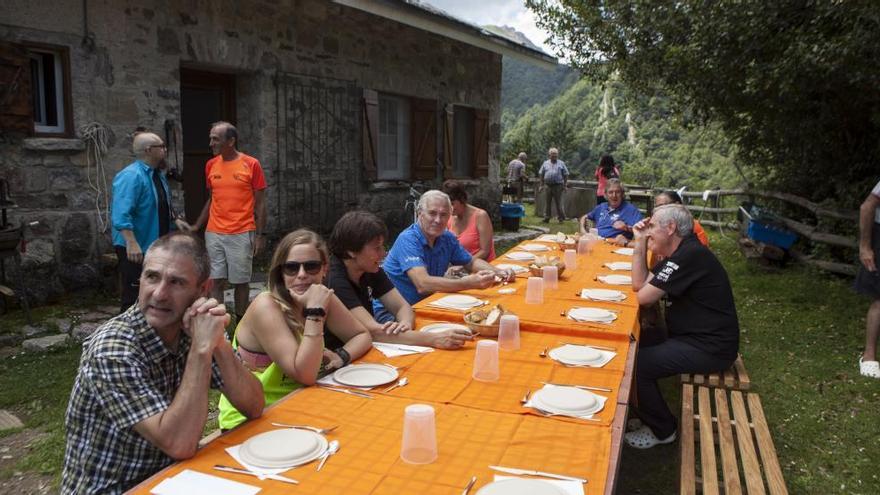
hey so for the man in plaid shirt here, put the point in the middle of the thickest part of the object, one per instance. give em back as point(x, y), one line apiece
point(140, 399)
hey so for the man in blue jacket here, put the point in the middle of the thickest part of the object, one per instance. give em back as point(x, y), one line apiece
point(615, 218)
point(140, 212)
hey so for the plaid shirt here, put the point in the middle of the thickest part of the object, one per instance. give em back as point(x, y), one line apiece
point(126, 375)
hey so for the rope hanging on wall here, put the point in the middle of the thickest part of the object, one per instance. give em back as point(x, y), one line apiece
point(97, 137)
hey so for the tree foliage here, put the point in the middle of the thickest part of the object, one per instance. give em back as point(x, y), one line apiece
point(794, 84)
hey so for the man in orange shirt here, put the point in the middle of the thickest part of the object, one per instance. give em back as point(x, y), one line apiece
point(235, 214)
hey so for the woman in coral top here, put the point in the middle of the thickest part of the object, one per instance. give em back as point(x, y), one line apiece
point(470, 224)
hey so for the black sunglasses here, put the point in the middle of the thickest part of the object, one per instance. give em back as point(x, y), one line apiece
point(291, 268)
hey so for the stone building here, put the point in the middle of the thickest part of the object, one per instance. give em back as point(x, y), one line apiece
point(347, 103)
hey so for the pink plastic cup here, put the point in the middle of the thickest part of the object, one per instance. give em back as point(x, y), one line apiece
point(486, 361)
point(419, 444)
point(551, 277)
point(535, 290)
point(570, 259)
point(583, 245)
point(508, 333)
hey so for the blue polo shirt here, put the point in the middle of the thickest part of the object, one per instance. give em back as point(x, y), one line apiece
point(411, 249)
point(603, 216)
point(135, 204)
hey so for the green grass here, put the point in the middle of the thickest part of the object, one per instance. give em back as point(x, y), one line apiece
point(801, 335)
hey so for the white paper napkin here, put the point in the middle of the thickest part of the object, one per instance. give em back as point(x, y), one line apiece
point(599, 398)
point(260, 471)
point(569, 487)
point(188, 482)
point(394, 350)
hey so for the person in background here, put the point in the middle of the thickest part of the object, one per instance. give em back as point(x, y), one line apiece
point(607, 169)
point(471, 225)
point(281, 337)
point(672, 197)
point(554, 175)
point(615, 218)
point(867, 280)
point(357, 246)
point(516, 174)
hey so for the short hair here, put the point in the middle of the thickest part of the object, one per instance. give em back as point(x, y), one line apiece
point(684, 221)
point(229, 130)
point(353, 231)
point(431, 195)
point(188, 245)
point(551, 150)
point(455, 190)
point(522, 155)
point(614, 182)
point(673, 196)
point(143, 140)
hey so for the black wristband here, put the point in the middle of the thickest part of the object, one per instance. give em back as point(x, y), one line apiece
point(344, 355)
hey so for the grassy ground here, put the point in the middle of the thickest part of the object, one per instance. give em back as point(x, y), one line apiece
point(801, 335)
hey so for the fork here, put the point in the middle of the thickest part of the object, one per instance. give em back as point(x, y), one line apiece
point(319, 431)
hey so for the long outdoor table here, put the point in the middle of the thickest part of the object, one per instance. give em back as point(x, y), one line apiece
point(478, 423)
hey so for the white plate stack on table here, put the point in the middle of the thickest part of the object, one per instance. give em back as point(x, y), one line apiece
point(535, 248)
point(624, 251)
point(608, 295)
point(592, 315)
point(365, 375)
point(581, 355)
point(615, 279)
point(566, 401)
point(519, 256)
point(270, 453)
point(620, 265)
point(457, 302)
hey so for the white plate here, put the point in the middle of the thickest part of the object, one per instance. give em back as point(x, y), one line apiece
point(576, 354)
point(567, 400)
point(604, 294)
point(439, 327)
point(515, 268)
point(520, 256)
point(283, 448)
point(620, 265)
point(624, 251)
point(365, 375)
point(520, 486)
point(592, 314)
point(547, 238)
point(459, 300)
point(616, 279)
point(534, 247)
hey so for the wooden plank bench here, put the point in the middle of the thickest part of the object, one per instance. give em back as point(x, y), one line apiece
point(738, 435)
point(736, 378)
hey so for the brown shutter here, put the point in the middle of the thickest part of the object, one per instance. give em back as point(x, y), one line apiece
point(424, 138)
point(448, 139)
point(16, 110)
point(371, 133)
point(481, 143)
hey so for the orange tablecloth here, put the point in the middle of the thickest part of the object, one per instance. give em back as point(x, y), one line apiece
point(478, 423)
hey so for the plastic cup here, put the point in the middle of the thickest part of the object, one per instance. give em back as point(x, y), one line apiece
point(570, 259)
point(583, 245)
point(551, 277)
point(508, 333)
point(535, 290)
point(486, 361)
point(419, 444)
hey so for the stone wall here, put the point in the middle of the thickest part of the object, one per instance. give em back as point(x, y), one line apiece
point(126, 73)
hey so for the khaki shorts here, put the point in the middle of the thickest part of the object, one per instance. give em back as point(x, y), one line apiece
point(231, 256)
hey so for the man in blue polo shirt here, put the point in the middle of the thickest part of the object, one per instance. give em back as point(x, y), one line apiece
point(424, 251)
point(615, 218)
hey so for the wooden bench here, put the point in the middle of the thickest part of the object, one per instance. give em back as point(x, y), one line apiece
point(739, 435)
point(736, 378)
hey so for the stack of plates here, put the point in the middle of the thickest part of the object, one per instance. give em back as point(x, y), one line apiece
point(442, 326)
point(534, 247)
point(459, 302)
point(365, 375)
point(615, 279)
point(568, 401)
point(548, 238)
point(515, 268)
point(283, 448)
point(624, 251)
point(520, 486)
point(576, 355)
point(620, 265)
point(603, 295)
point(597, 315)
point(520, 256)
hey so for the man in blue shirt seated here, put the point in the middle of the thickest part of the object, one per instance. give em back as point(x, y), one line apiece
point(424, 251)
point(614, 219)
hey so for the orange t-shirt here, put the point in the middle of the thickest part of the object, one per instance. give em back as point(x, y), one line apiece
point(700, 233)
point(232, 186)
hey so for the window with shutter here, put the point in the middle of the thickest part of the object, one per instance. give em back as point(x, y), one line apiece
point(424, 138)
point(16, 110)
point(481, 143)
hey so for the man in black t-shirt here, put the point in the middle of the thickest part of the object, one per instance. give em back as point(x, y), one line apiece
point(700, 315)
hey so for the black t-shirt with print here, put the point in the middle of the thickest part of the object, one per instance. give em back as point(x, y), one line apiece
point(371, 286)
point(699, 308)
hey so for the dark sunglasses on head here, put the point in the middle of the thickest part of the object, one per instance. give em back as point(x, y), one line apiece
point(291, 268)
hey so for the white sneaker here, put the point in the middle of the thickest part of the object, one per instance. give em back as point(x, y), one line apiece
point(644, 438)
point(871, 369)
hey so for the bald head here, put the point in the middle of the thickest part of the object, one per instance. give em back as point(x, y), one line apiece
point(149, 147)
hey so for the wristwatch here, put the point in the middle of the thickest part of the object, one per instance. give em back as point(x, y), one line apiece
point(314, 312)
point(344, 355)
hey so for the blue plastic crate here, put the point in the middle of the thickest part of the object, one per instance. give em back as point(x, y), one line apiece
point(771, 234)
point(512, 210)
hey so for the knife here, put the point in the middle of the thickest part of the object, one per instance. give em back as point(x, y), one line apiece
point(582, 387)
point(529, 472)
point(276, 477)
point(347, 391)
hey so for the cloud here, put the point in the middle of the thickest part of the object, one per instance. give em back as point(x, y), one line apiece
point(498, 12)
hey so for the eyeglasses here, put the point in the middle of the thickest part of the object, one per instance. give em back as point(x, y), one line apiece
point(291, 268)
point(162, 146)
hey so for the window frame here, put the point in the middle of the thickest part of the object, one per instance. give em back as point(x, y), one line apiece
point(403, 167)
point(62, 91)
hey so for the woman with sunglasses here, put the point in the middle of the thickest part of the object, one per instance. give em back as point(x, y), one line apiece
point(281, 337)
point(358, 246)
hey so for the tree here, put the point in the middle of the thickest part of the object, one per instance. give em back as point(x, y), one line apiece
point(794, 84)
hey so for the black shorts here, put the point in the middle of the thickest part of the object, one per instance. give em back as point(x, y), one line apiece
point(868, 283)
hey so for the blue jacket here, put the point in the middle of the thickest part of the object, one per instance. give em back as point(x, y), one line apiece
point(604, 217)
point(135, 204)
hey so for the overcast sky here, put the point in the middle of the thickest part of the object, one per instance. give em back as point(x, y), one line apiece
point(498, 12)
